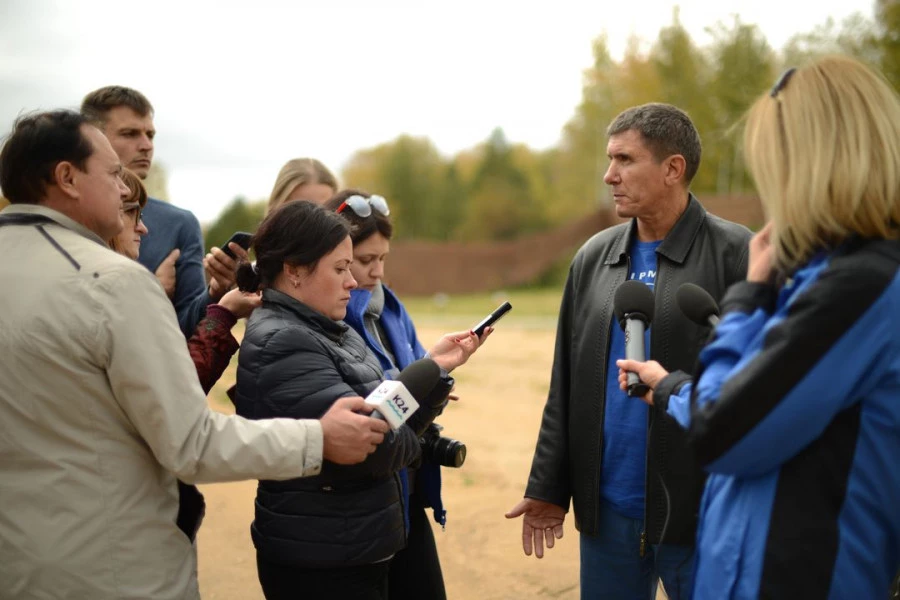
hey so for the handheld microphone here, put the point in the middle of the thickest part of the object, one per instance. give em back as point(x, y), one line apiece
point(697, 305)
point(633, 305)
point(396, 400)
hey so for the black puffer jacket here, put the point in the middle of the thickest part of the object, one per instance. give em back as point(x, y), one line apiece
point(295, 362)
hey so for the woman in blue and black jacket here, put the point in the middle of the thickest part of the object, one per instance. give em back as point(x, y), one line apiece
point(332, 535)
point(795, 410)
point(382, 321)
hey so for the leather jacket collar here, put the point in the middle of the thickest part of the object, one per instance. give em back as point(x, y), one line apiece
point(677, 242)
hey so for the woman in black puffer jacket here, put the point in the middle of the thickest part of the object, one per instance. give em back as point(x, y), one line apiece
point(332, 535)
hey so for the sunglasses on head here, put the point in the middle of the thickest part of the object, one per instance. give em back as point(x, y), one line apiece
point(363, 206)
point(782, 81)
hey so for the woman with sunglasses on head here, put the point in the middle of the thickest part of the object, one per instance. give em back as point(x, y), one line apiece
point(795, 411)
point(332, 535)
point(381, 319)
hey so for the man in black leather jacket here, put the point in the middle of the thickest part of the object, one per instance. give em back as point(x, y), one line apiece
point(632, 480)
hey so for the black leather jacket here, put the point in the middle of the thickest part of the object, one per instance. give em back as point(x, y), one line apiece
point(295, 363)
point(701, 249)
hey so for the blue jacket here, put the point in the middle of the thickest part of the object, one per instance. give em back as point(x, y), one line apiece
point(796, 415)
point(170, 227)
point(401, 334)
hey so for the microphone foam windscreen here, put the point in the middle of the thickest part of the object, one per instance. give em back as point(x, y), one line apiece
point(420, 377)
point(633, 297)
point(696, 303)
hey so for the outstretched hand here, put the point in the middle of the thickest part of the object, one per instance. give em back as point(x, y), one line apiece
point(454, 349)
point(542, 523)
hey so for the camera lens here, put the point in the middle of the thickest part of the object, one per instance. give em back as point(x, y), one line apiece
point(444, 451)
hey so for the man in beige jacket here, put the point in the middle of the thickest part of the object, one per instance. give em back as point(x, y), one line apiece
point(100, 406)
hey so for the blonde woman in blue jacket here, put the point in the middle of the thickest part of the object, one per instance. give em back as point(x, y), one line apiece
point(795, 411)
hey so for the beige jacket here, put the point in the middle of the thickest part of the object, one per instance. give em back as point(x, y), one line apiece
point(100, 411)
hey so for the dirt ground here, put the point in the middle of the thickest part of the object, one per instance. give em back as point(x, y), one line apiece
point(502, 392)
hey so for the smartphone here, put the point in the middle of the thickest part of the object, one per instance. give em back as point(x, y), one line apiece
point(492, 318)
point(241, 238)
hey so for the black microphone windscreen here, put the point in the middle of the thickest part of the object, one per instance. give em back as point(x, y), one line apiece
point(420, 377)
point(633, 297)
point(696, 303)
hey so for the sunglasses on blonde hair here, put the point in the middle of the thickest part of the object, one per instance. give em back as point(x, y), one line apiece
point(363, 206)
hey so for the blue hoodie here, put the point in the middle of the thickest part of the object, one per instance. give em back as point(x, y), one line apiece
point(405, 344)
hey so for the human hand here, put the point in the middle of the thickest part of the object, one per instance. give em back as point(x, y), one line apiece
point(543, 522)
point(761, 263)
point(165, 273)
point(454, 349)
point(349, 437)
point(650, 373)
point(239, 303)
point(221, 268)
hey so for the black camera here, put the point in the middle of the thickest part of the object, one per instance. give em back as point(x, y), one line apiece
point(441, 450)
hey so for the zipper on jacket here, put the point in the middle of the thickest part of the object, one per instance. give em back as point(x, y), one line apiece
point(613, 323)
point(643, 549)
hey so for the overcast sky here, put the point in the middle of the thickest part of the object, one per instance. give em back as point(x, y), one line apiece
point(239, 87)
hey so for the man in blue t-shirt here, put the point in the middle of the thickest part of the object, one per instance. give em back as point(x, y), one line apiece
point(633, 484)
point(173, 246)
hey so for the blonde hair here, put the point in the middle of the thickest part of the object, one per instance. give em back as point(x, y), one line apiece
point(299, 171)
point(824, 151)
point(136, 193)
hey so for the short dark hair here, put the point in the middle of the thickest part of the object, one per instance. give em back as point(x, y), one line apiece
point(98, 103)
point(37, 144)
point(362, 228)
point(666, 129)
point(297, 233)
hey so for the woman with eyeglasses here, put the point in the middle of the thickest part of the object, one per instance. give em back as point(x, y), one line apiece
point(332, 535)
point(795, 411)
point(211, 346)
point(380, 318)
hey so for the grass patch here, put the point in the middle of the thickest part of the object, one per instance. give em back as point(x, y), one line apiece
point(528, 305)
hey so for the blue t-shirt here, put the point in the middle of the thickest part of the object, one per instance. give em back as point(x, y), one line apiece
point(623, 462)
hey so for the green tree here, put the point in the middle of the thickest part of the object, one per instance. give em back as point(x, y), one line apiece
point(502, 203)
point(577, 167)
point(450, 209)
point(886, 39)
point(410, 173)
point(854, 36)
point(685, 76)
point(743, 66)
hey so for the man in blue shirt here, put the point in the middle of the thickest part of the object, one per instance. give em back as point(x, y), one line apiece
point(630, 477)
point(173, 246)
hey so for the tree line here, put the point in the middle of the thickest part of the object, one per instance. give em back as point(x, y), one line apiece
point(499, 189)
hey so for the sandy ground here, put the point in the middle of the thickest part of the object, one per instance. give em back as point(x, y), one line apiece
point(502, 390)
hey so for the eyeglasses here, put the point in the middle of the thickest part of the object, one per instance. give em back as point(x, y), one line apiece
point(363, 206)
point(132, 210)
point(782, 81)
